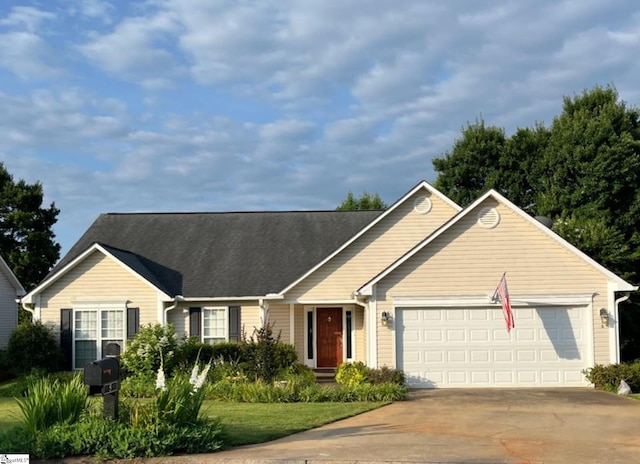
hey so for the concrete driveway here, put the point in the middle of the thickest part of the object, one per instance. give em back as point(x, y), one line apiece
point(467, 426)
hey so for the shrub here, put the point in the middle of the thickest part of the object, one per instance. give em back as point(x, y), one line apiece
point(386, 375)
point(357, 373)
point(191, 349)
point(188, 352)
point(608, 377)
point(152, 346)
point(107, 439)
point(138, 386)
point(352, 374)
point(33, 346)
point(5, 367)
point(266, 355)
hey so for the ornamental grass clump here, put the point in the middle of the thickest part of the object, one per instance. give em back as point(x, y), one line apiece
point(50, 402)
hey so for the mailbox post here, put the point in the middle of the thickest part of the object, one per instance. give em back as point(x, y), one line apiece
point(103, 378)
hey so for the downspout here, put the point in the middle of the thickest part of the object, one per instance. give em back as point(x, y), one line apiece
point(23, 305)
point(623, 298)
point(176, 300)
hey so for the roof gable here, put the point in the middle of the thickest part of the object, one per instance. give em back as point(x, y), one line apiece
point(11, 277)
point(129, 262)
point(618, 283)
point(421, 185)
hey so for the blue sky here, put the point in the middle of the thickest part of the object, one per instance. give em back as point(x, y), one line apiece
point(205, 105)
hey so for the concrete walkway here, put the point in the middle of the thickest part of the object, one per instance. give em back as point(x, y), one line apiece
point(464, 426)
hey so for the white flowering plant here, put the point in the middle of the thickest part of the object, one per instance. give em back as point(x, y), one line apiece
point(142, 356)
point(179, 400)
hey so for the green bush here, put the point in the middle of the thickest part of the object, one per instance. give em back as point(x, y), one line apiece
point(6, 373)
point(265, 355)
point(352, 374)
point(138, 386)
point(608, 377)
point(33, 346)
point(59, 424)
point(357, 373)
point(107, 439)
point(152, 346)
point(386, 375)
point(298, 390)
point(191, 349)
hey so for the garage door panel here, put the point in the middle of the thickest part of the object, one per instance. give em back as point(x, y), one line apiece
point(444, 347)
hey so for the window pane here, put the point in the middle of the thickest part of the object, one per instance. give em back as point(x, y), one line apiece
point(86, 325)
point(86, 352)
point(214, 324)
point(213, 341)
point(112, 324)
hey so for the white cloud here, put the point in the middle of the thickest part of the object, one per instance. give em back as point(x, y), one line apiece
point(133, 50)
point(28, 56)
point(26, 17)
point(286, 104)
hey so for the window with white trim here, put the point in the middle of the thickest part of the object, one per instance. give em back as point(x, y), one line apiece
point(215, 325)
point(95, 326)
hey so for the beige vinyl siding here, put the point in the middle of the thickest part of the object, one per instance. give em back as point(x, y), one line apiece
point(469, 260)
point(98, 277)
point(375, 250)
point(278, 315)
point(249, 315)
point(8, 310)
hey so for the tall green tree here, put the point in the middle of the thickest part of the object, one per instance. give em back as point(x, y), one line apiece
point(27, 241)
point(485, 158)
point(366, 201)
point(583, 171)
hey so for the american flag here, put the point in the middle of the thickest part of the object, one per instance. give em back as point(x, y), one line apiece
point(503, 294)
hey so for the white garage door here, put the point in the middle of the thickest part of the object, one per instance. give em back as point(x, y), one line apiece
point(451, 347)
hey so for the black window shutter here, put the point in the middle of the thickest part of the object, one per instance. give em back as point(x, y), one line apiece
point(66, 337)
point(234, 323)
point(133, 322)
point(195, 322)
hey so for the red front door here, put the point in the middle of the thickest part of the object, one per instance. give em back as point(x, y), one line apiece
point(329, 336)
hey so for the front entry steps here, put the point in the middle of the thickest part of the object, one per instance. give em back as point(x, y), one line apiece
point(325, 375)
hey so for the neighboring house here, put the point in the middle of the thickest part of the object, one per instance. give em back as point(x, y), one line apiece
point(410, 287)
point(10, 291)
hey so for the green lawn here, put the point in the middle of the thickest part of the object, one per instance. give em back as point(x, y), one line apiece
point(635, 396)
point(247, 423)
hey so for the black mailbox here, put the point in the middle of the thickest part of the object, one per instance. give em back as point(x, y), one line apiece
point(102, 376)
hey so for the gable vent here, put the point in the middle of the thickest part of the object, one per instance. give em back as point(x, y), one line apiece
point(422, 205)
point(488, 217)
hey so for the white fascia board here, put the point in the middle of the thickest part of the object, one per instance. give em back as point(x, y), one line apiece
point(11, 277)
point(28, 298)
point(619, 284)
point(421, 185)
point(326, 302)
point(232, 298)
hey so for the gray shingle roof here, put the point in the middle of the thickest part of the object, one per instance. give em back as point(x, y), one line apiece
point(221, 254)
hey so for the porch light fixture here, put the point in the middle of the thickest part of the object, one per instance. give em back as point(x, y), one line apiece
point(385, 318)
point(604, 318)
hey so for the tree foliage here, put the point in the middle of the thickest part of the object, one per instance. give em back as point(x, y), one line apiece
point(27, 241)
point(366, 201)
point(583, 171)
